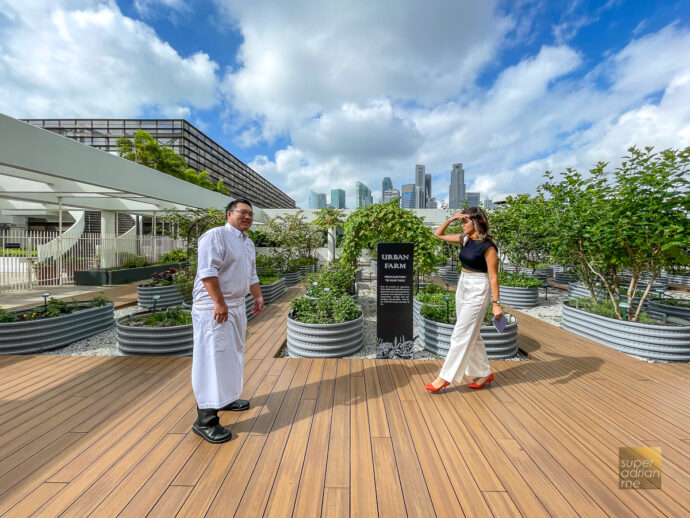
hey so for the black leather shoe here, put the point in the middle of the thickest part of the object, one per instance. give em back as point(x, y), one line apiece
point(214, 434)
point(238, 405)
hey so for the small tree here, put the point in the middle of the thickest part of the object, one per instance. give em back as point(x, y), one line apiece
point(388, 223)
point(520, 229)
point(635, 218)
point(292, 233)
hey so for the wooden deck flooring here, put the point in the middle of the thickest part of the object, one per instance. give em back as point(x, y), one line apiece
point(110, 436)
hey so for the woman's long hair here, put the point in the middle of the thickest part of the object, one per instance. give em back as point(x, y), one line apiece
point(481, 224)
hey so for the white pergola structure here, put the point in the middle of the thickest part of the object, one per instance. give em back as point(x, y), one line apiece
point(43, 173)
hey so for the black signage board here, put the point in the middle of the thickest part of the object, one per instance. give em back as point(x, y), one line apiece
point(394, 275)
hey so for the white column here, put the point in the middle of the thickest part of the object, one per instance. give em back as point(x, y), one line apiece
point(107, 250)
point(153, 243)
point(59, 258)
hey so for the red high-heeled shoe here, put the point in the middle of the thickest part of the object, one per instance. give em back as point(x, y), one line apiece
point(487, 382)
point(430, 387)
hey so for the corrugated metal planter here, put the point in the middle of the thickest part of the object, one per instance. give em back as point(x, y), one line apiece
point(169, 296)
point(566, 278)
point(540, 273)
point(683, 280)
point(451, 276)
point(291, 278)
point(324, 340)
point(519, 296)
point(273, 291)
point(307, 268)
point(435, 338)
point(660, 284)
point(164, 341)
point(669, 310)
point(576, 290)
point(658, 342)
point(33, 336)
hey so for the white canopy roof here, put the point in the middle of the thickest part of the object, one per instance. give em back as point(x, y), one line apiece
point(41, 171)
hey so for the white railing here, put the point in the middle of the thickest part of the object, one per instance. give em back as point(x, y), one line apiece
point(22, 269)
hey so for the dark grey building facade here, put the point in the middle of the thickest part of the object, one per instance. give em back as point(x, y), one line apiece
point(199, 151)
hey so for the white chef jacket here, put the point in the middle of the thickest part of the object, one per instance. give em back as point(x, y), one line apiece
point(218, 357)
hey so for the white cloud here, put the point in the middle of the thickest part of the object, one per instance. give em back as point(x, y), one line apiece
point(307, 58)
point(543, 113)
point(79, 58)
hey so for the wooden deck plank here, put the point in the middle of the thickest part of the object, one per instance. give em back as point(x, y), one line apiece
point(111, 436)
point(309, 496)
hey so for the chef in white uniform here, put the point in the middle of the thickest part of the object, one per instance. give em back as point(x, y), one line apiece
point(226, 273)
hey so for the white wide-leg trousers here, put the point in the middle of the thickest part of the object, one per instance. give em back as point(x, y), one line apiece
point(467, 353)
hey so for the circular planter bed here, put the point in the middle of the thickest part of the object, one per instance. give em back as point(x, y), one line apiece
point(164, 341)
point(307, 268)
point(273, 291)
point(32, 336)
point(566, 278)
point(669, 310)
point(576, 290)
point(168, 296)
point(519, 297)
point(291, 278)
point(683, 280)
point(540, 273)
point(658, 342)
point(451, 276)
point(324, 340)
point(435, 338)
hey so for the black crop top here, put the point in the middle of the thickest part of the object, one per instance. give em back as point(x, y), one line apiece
point(472, 255)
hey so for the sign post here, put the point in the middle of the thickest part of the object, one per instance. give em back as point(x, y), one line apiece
point(394, 292)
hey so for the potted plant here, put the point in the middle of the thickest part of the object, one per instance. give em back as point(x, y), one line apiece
point(436, 322)
point(167, 333)
point(163, 286)
point(329, 326)
point(53, 325)
point(518, 290)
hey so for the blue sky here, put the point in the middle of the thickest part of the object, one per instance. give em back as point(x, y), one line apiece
point(317, 95)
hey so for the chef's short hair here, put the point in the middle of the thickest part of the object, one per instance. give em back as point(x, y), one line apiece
point(233, 205)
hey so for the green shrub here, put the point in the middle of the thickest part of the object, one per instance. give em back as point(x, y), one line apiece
point(17, 252)
point(131, 261)
point(434, 288)
point(177, 255)
point(603, 308)
point(168, 318)
point(339, 279)
point(674, 302)
point(7, 316)
point(55, 308)
point(185, 280)
point(327, 309)
point(99, 301)
point(268, 279)
point(518, 280)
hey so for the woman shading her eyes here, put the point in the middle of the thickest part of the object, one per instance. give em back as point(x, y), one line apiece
point(478, 280)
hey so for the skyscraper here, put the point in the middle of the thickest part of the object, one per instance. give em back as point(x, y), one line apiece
point(456, 190)
point(408, 196)
point(317, 200)
point(390, 194)
point(473, 199)
point(427, 186)
point(420, 186)
point(363, 195)
point(386, 185)
point(338, 198)
point(431, 203)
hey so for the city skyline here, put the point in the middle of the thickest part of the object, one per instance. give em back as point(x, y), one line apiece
point(511, 89)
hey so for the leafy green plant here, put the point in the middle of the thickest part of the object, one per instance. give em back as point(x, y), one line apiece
point(17, 252)
point(268, 279)
point(131, 261)
point(8, 316)
point(168, 318)
point(674, 302)
point(99, 301)
point(339, 279)
point(327, 309)
point(603, 308)
point(177, 255)
point(518, 280)
point(434, 288)
point(388, 223)
point(55, 308)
